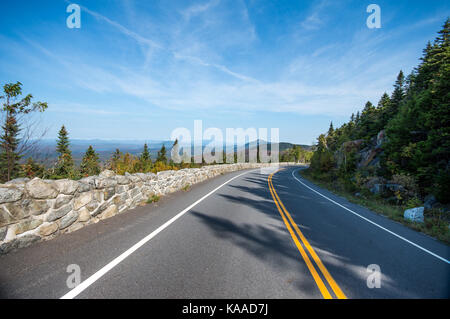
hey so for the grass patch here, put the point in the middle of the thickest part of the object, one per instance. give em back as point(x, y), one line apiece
point(153, 199)
point(186, 187)
point(435, 224)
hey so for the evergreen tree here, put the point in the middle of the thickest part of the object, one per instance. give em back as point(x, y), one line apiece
point(162, 156)
point(65, 166)
point(145, 160)
point(397, 95)
point(11, 127)
point(90, 163)
point(114, 160)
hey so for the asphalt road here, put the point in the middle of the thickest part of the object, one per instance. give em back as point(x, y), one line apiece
point(242, 239)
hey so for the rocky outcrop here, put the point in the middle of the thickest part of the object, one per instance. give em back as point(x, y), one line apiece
point(34, 210)
point(367, 156)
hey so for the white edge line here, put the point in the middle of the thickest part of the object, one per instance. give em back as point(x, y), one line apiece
point(93, 278)
point(368, 220)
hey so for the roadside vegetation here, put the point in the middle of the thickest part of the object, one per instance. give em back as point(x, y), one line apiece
point(396, 154)
point(153, 199)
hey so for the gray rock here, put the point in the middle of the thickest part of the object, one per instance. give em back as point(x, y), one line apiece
point(68, 220)
point(86, 184)
point(107, 173)
point(414, 214)
point(66, 186)
point(27, 225)
point(62, 200)
point(122, 180)
point(54, 215)
point(105, 182)
point(92, 205)
point(121, 189)
point(39, 189)
point(10, 194)
point(134, 192)
point(100, 209)
point(5, 217)
point(38, 207)
point(108, 193)
point(81, 200)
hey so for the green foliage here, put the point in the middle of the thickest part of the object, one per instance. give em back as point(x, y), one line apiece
point(322, 159)
point(32, 169)
point(162, 156)
point(153, 199)
point(145, 162)
point(296, 154)
point(10, 154)
point(90, 163)
point(64, 167)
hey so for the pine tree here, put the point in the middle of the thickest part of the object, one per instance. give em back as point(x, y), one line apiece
point(11, 127)
point(90, 163)
point(145, 156)
point(65, 166)
point(162, 157)
point(397, 95)
point(114, 160)
point(145, 160)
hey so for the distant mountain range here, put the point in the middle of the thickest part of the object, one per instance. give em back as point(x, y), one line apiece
point(105, 148)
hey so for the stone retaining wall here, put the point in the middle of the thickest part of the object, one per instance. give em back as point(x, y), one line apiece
point(34, 210)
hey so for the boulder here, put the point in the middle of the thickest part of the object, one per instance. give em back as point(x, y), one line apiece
point(107, 174)
point(81, 200)
point(66, 186)
point(10, 193)
point(68, 220)
point(122, 180)
point(84, 215)
point(27, 225)
point(39, 189)
point(414, 214)
point(58, 213)
point(47, 229)
point(5, 217)
point(109, 212)
point(62, 200)
point(108, 193)
point(105, 182)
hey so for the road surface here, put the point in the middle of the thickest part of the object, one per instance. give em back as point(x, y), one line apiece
point(239, 235)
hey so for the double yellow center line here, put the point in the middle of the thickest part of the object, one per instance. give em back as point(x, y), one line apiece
point(302, 240)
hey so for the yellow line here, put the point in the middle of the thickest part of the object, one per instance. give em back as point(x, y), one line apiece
point(323, 289)
point(316, 258)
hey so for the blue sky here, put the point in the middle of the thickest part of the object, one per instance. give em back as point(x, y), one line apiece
point(139, 69)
